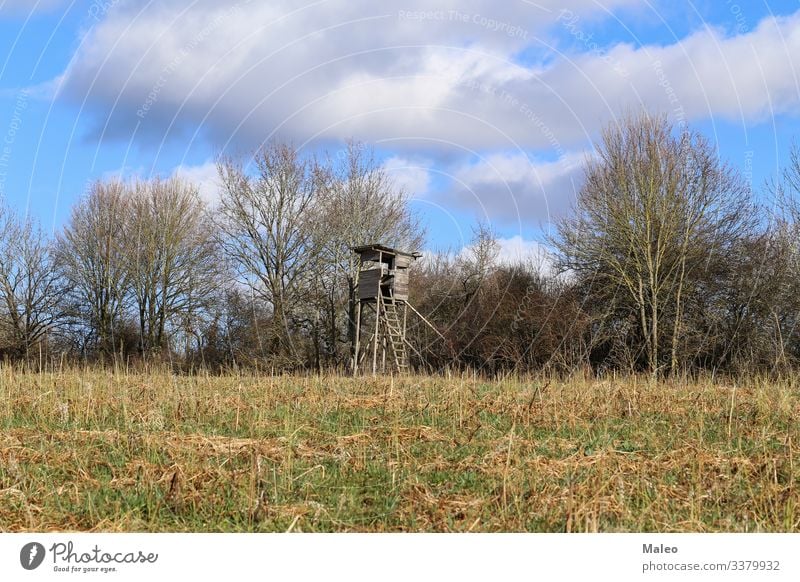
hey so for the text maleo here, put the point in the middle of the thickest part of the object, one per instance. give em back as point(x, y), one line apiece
point(659, 549)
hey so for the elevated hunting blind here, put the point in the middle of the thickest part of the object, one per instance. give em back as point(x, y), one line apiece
point(383, 272)
point(383, 292)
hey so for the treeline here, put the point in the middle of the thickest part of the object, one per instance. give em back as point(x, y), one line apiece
point(667, 264)
point(146, 270)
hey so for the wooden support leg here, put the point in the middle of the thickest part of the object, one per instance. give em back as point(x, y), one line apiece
point(357, 346)
point(375, 338)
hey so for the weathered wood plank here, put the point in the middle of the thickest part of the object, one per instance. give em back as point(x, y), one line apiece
point(369, 283)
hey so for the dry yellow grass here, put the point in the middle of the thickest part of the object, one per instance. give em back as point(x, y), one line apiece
point(98, 451)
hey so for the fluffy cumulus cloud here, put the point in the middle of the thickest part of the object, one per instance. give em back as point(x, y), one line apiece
point(468, 79)
point(518, 250)
point(205, 177)
point(322, 70)
point(412, 177)
point(444, 77)
point(513, 187)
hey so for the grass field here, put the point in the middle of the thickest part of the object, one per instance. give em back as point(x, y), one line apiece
point(97, 451)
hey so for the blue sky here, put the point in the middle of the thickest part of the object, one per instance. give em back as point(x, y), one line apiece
point(481, 110)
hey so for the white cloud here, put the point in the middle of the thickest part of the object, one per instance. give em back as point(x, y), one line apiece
point(448, 84)
point(412, 177)
point(241, 71)
point(517, 249)
point(509, 187)
point(439, 79)
point(204, 177)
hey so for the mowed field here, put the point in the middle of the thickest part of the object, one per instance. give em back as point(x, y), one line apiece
point(98, 451)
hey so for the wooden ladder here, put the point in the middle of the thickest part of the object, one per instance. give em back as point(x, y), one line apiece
point(394, 329)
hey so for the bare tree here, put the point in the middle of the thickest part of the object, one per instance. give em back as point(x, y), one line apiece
point(171, 257)
point(478, 259)
point(654, 205)
point(30, 286)
point(92, 258)
point(785, 300)
point(265, 227)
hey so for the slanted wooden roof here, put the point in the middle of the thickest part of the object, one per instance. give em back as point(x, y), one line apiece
point(386, 250)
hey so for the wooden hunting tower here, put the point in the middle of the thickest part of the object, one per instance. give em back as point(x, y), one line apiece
point(383, 291)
